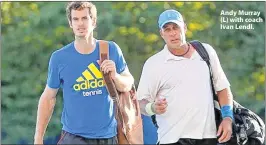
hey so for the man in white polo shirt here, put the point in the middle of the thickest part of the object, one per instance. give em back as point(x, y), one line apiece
point(175, 86)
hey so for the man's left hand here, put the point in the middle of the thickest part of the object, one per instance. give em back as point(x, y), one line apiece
point(108, 66)
point(225, 129)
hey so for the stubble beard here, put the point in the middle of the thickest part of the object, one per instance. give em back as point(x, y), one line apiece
point(177, 46)
point(77, 37)
point(81, 37)
point(180, 45)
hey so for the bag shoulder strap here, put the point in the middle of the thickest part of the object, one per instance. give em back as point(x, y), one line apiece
point(205, 56)
point(201, 50)
point(104, 55)
point(104, 50)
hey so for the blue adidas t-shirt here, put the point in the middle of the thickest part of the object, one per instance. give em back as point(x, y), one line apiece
point(87, 107)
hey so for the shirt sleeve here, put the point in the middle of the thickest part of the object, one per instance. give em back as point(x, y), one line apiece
point(53, 78)
point(220, 80)
point(117, 55)
point(148, 84)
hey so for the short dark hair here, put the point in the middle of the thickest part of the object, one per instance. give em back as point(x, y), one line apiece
point(80, 6)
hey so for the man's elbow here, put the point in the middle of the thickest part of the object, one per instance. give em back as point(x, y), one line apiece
point(127, 85)
point(124, 89)
point(225, 92)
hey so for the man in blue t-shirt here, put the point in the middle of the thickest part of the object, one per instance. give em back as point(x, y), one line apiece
point(88, 113)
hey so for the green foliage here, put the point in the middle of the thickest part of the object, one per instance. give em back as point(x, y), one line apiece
point(31, 31)
point(242, 55)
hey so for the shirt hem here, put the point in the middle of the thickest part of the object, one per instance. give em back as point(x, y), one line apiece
point(90, 136)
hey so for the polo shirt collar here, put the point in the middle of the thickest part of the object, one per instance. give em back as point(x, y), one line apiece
point(169, 56)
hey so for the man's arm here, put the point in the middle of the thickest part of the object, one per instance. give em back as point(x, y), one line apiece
point(123, 81)
point(225, 97)
point(45, 109)
point(147, 91)
point(150, 108)
point(142, 104)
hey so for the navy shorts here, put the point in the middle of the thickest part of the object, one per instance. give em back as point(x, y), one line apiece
point(68, 138)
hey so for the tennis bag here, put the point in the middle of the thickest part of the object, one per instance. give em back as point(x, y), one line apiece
point(127, 110)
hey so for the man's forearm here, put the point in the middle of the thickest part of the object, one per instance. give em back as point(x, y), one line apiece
point(123, 83)
point(44, 113)
point(225, 97)
point(226, 102)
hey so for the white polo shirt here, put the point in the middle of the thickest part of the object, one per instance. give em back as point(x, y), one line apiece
point(185, 83)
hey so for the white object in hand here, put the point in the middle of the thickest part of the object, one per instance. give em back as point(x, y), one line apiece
point(161, 97)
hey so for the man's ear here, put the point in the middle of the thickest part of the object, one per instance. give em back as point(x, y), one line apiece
point(161, 33)
point(94, 23)
point(185, 28)
point(70, 25)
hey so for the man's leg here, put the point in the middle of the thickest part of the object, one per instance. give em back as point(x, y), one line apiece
point(109, 141)
point(68, 138)
point(184, 141)
point(170, 144)
point(207, 141)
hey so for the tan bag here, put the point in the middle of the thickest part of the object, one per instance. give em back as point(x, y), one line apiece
point(128, 116)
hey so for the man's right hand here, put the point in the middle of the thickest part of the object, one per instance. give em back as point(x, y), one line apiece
point(159, 106)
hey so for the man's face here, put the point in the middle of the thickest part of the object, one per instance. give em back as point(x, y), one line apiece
point(173, 35)
point(81, 22)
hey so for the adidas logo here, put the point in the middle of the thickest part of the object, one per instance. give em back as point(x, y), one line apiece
point(90, 78)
